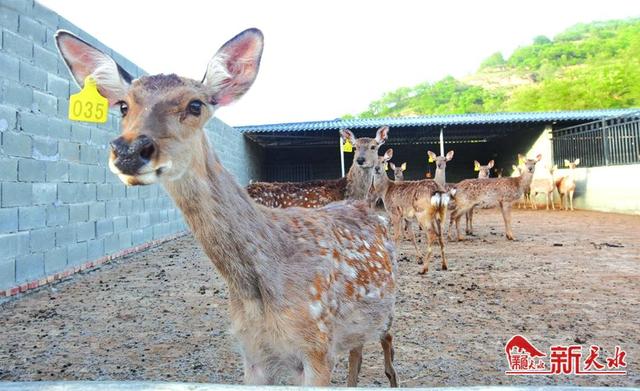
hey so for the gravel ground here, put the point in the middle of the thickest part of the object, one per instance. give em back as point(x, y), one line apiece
point(569, 278)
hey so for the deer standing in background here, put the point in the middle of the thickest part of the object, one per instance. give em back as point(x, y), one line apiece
point(315, 194)
point(516, 171)
point(491, 192)
point(304, 285)
point(545, 186)
point(483, 172)
point(567, 185)
point(441, 166)
point(423, 200)
point(398, 172)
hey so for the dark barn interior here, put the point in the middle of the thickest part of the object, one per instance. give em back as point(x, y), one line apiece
point(310, 150)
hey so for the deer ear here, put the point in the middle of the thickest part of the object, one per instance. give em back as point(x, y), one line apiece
point(514, 167)
point(234, 67)
point(432, 155)
point(381, 135)
point(449, 155)
point(388, 155)
point(404, 166)
point(538, 157)
point(84, 60)
point(491, 163)
point(393, 166)
point(577, 161)
point(347, 135)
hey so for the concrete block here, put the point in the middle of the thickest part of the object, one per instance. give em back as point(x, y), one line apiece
point(31, 217)
point(57, 86)
point(78, 213)
point(80, 133)
point(97, 211)
point(86, 231)
point(46, 59)
point(8, 118)
point(7, 272)
point(45, 16)
point(16, 144)
point(112, 208)
point(29, 267)
point(30, 170)
point(34, 123)
point(9, 67)
point(65, 235)
point(119, 224)
point(32, 76)
point(95, 249)
point(42, 239)
point(57, 215)
point(124, 239)
point(32, 29)
point(58, 128)
point(69, 151)
point(20, 6)
point(16, 194)
point(57, 171)
point(77, 253)
point(104, 228)
point(111, 244)
point(8, 220)
point(44, 193)
point(16, 44)
point(78, 172)
point(55, 260)
point(9, 170)
point(44, 148)
point(9, 19)
point(103, 190)
point(97, 174)
point(45, 103)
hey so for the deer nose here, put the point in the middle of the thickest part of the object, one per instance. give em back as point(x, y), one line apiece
point(131, 156)
point(360, 160)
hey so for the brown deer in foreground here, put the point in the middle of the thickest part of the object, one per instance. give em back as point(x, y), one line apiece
point(315, 194)
point(304, 285)
point(566, 185)
point(423, 200)
point(491, 192)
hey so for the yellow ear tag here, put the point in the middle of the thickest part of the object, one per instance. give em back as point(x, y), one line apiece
point(521, 161)
point(386, 166)
point(88, 105)
point(431, 159)
point(476, 167)
point(347, 147)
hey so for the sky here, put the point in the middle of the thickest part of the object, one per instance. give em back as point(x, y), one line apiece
point(324, 59)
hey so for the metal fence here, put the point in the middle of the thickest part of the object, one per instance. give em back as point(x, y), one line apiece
point(608, 142)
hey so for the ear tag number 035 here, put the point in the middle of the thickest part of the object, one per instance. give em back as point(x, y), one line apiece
point(88, 105)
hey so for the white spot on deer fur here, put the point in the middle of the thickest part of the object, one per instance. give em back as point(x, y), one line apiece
point(373, 293)
point(361, 291)
point(322, 327)
point(348, 271)
point(315, 309)
point(378, 253)
point(366, 245)
point(313, 290)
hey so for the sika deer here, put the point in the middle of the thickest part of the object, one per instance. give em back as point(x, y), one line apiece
point(483, 172)
point(567, 185)
point(545, 186)
point(425, 200)
point(304, 285)
point(314, 194)
point(441, 165)
point(398, 172)
point(491, 192)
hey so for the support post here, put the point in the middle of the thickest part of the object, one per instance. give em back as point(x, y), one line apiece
point(441, 141)
point(341, 156)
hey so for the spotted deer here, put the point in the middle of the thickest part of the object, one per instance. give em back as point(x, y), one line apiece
point(441, 166)
point(304, 285)
point(424, 200)
point(566, 185)
point(315, 194)
point(492, 192)
point(543, 185)
point(398, 171)
point(483, 172)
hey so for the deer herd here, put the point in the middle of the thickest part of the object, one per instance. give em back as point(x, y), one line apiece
point(311, 267)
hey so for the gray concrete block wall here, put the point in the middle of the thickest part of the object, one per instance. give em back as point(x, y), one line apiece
point(60, 206)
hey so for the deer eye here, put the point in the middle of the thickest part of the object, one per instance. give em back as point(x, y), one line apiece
point(373, 147)
point(195, 107)
point(124, 108)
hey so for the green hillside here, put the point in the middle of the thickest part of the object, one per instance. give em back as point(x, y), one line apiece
point(588, 66)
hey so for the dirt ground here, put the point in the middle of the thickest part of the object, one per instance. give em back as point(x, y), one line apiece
point(569, 278)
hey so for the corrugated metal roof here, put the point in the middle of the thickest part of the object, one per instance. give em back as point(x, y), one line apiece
point(439, 120)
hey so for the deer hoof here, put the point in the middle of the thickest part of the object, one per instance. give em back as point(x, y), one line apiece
point(423, 271)
point(420, 261)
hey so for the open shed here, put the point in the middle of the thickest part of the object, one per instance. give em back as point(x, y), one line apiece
point(310, 150)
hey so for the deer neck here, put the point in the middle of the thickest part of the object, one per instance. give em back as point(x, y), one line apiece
point(359, 181)
point(524, 180)
point(439, 178)
point(229, 226)
point(381, 185)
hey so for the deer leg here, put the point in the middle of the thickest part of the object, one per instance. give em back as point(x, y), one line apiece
point(571, 198)
point(440, 222)
point(553, 206)
point(317, 369)
point(423, 221)
point(470, 218)
point(255, 373)
point(387, 348)
point(355, 363)
point(505, 207)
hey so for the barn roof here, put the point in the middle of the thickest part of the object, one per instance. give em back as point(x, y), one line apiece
point(419, 129)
